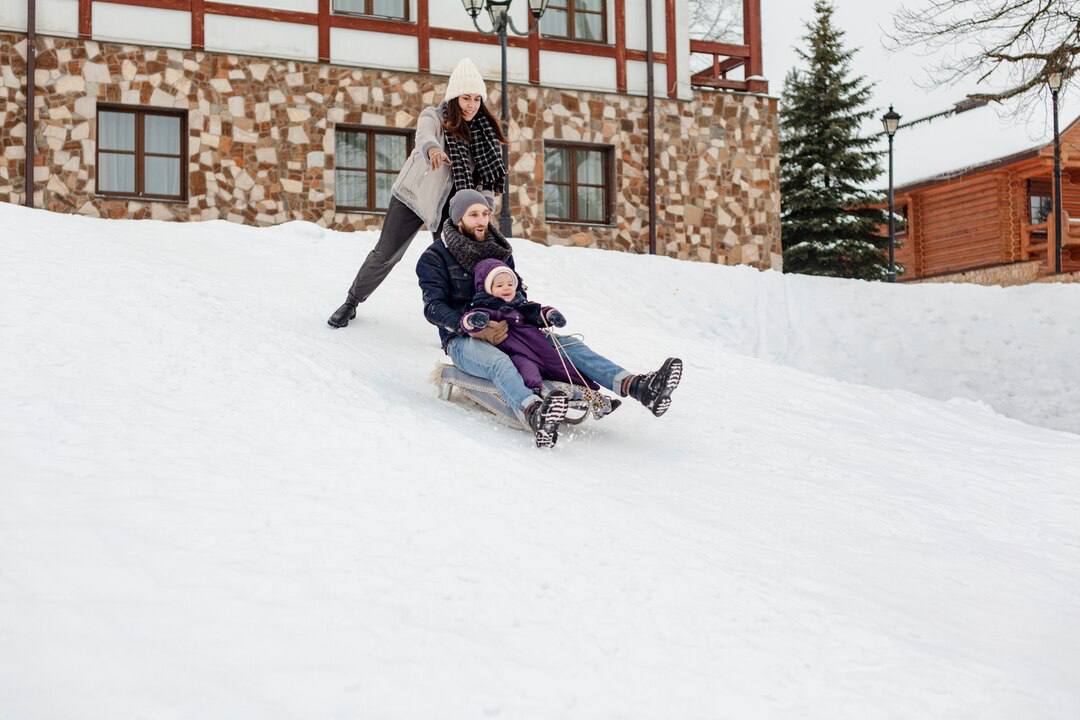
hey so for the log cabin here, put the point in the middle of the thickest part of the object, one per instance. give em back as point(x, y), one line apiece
point(995, 213)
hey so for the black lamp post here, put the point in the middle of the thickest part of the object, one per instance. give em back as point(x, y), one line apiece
point(891, 121)
point(501, 25)
point(1054, 80)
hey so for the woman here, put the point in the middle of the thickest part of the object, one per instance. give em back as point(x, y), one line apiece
point(457, 148)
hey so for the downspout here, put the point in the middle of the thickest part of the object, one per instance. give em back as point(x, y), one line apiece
point(31, 47)
point(650, 163)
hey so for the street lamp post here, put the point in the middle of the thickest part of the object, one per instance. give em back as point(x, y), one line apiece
point(1055, 80)
point(891, 121)
point(501, 25)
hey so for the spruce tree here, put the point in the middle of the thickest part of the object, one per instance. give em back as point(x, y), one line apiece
point(828, 225)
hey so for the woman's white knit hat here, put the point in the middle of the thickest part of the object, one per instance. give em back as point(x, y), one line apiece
point(465, 80)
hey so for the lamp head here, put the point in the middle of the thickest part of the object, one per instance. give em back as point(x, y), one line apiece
point(537, 8)
point(891, 121)
point(1055, 80)
point(497, 11)
point(473, 7)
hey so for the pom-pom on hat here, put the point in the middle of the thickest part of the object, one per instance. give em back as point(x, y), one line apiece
point(465, 80)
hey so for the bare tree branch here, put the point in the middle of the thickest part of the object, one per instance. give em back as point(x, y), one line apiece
point(1010, 46)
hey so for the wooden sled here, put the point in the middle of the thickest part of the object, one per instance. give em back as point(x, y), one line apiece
point(451, 382)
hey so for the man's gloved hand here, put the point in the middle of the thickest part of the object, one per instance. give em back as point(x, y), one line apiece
point(474, 320)
point(555, 318)
point(494, 333)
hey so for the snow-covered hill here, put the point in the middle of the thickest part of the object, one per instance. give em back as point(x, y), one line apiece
point(212, 505)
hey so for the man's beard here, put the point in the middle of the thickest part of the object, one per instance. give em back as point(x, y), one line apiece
point(478, 233)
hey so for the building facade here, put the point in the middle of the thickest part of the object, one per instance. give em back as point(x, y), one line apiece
point(993, 223)
point(305, 109)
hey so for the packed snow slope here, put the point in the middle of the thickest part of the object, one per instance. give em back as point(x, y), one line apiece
point(214, 506)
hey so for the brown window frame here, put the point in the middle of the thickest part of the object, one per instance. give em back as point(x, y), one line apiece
point(370, 171)
point(608, 157)
point(140, 153)
point(368, 11)
point(570, 8)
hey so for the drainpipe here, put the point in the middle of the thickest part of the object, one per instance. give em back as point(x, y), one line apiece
point(31, 47)
point(650, 109)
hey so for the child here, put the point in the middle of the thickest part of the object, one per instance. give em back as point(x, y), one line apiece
point(533, 354)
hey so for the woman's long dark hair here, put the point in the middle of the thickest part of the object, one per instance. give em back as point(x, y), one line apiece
point(455, 124)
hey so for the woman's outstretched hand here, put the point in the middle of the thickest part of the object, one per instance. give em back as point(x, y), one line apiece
point(437, 158)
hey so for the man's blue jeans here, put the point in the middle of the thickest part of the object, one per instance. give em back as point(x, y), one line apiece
point(487, 361)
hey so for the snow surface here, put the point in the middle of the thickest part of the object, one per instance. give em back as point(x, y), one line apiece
point(214, 506)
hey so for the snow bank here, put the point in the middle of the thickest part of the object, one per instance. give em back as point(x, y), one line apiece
point(215, 506)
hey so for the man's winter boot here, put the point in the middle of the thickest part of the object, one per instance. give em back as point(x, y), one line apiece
point(544, 417)
point(342, 315)
point(654, 389)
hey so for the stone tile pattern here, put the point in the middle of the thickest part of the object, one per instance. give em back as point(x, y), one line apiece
point(261, 145)
point(1006, 275)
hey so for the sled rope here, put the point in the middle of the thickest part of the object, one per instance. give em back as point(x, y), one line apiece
point(590, 395)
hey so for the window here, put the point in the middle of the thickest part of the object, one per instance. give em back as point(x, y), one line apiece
point(576, 19)
point(140, 153)
point(577, 179)
point(397, 9)
point(1039, 201)
point(366, 162)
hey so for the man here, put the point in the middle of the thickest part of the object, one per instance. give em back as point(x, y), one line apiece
point(445, 271)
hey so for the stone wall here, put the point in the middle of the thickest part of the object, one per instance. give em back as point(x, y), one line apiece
point(261, 145)
point(1073, 277)
point(1020, 273)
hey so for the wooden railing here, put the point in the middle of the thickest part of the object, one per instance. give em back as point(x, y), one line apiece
point(1037, 243)
point(727, 57)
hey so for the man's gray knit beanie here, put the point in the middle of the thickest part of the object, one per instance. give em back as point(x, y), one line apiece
point(462, 201)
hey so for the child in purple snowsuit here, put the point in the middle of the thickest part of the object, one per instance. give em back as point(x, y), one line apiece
point(533, 354)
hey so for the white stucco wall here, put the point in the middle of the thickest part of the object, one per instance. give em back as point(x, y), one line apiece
point(445, 54)
point(370, 49)
point(143, 25)
point(637, 78)
point(635, 25)
point(583, 72)
point(262, 37)
point(308, 6)
point(54, 17)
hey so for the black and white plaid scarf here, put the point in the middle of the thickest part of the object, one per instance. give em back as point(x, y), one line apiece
point(485, 153)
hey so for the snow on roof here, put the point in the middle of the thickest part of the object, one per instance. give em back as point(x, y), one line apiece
point(965, 143)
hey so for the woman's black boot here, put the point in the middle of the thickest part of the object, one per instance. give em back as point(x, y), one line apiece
point(342, 315)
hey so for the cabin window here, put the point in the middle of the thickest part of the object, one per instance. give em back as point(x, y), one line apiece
point(576, 20)
point(366, 162)
point(396, 9)
point(1039, 201)
point(577, 182)
point(140, 153)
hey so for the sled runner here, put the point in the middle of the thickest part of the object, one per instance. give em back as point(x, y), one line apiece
point(583, 401)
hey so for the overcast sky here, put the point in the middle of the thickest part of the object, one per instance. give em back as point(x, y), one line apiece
point(900, 79)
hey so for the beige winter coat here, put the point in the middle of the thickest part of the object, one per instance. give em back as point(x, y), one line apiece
point(423, 190)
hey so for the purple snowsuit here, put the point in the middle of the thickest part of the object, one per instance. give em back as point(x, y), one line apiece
point(529, 349)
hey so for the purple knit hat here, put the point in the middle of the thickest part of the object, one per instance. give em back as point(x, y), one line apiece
point(486, 269)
